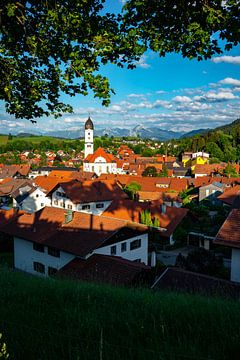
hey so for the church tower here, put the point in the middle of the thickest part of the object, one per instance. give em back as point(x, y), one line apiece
point(88, 149)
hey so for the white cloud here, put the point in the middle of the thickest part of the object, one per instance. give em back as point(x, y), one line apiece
point(230, 81)
point(213, 96)
point(160, 92)
point(142, 62)
point(182, 99)
point(227, 59)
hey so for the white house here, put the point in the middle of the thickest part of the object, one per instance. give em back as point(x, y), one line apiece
point(92, 197)
point(46, 241)
point(229, 235)
point(31, 200)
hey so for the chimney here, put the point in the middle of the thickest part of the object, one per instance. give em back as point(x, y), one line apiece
point(163, 208)
point(68, 216)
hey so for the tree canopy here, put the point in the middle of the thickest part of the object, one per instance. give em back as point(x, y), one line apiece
point(48, 47)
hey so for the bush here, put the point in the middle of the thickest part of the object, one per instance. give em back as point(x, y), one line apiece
point(201, 261)
point(3, 349)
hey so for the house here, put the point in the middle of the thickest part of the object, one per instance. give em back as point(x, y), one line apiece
point(14, 171)
point(49, 239)
point(113, 270)
point(178, 280)
point(231, 197)
point(86, 196)
point(11, 189)
point(46, 170)
point(211, 192)
point(229, 235)
point(197, 158)
point(169, 217)
point(207, 169)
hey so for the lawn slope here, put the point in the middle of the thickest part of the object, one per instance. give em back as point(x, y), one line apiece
point(54, 319)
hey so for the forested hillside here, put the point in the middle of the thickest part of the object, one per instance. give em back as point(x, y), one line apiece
point(223, 143)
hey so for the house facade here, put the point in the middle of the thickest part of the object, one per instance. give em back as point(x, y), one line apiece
point(47, 241)
point(229, 236)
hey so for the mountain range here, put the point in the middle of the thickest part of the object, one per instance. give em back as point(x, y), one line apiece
point(153, 133)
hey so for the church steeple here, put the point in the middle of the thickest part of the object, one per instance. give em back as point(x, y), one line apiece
point(88, 149)
point(89, 124)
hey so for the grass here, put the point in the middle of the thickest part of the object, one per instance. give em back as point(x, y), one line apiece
point(55, 319)
point(3, 139)
point(6, 260)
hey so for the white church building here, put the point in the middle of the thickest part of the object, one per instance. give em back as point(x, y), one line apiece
point(98, 161)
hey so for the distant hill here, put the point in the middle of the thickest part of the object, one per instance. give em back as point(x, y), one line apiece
point(223, 142)
point(195, 132)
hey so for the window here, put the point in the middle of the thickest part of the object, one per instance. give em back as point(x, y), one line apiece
point(38, 247)
point(37, 195)
point(55, 202)
point(42, 204)
point(58, 193)
point(69, 207)
point(51, 271)
point(37, 266)
point(123, 247)
point(88, 146)
point(92, 168)
point(85, 207)
point(135, 244)
point(53, 252)
point(99, 206)
point(88, 133)
point(113, 250)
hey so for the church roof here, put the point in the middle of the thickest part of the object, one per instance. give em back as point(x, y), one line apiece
point(100, 152)
point(89, 124)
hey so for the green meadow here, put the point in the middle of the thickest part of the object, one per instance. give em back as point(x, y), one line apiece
point(60, 319)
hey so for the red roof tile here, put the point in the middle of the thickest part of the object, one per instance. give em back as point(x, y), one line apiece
point(102, 268)
point(100, 152)
point(131, 211)
point(229, 233)
point(92, 191)
point(230, 195)
point(80, 236)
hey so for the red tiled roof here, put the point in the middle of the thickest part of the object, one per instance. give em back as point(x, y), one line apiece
point(100, 152)
point(230, 195)
point(6, 216)
point(92, 191)
point(12, 185)
point(102, 268)
point(175, 279)
point(208, 169)
point(131, 211)
point(82, 235)
point(48, 183)
point(229, 233)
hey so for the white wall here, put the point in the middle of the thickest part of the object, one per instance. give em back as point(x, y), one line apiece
point(140, 253)
point(235, 266)
point(88, 147)
point(35, 201)
point(64, 202)
point(100, 166)
point(25, 255)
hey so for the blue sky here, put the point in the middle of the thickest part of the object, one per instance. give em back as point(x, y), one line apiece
point(172, 93)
